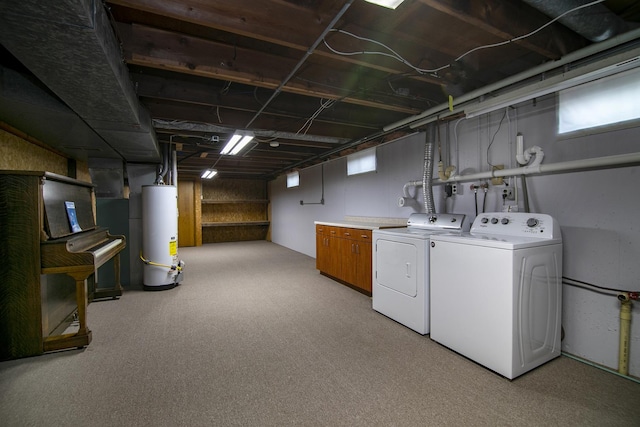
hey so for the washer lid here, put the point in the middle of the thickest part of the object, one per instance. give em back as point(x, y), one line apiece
point(493, 240)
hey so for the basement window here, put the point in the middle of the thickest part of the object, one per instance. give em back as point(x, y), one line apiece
point(604, 102)
point(293, 179)
point(362, 162)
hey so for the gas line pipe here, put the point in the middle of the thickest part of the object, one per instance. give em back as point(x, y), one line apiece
point(626, 303)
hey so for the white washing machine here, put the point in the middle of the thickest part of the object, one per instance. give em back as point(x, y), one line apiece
point(496, 292)
point(401, 268)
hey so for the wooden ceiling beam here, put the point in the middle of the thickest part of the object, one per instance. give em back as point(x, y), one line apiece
point(163, 50)
point(298, 31)
point(287, 106)
point(496, 17)
point(237, 120)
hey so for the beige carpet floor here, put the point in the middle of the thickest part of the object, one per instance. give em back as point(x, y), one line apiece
point(254, 336)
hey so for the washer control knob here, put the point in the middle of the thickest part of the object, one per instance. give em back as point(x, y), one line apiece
point(532, 222)
point(433, 219)
point(494, 220)
point(484, 220)
point(505, 221)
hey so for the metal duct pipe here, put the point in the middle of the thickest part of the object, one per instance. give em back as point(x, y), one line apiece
point(427, 178)
point(164, 167)
point(595, 22)
point(174, 162)
point(70, 46)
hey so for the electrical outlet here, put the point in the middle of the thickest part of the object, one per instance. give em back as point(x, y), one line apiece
point(454, 189)
point(508, 193)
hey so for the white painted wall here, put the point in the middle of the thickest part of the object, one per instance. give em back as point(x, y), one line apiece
point(597, 210)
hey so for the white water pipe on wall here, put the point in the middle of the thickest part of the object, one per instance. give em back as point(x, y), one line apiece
point(407, 200)
point(569, 166)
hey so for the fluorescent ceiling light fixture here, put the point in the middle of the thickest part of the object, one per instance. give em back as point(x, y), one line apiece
point(391, 4)
point(293, 179)
point(237, 142)
point(208, 174)
point(362, 162)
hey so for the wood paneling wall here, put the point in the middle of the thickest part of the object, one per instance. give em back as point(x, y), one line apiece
point(234, 210)
point(18, 151)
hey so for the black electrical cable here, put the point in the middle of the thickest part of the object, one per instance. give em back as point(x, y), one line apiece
point(484, 200)
point(494, 136)
point(604, 288)
point(476, 194)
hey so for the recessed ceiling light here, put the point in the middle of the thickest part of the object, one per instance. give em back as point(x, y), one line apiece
point(391, 4)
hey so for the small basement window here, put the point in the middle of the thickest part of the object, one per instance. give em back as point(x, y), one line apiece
point(293, 179)
point(362, 162)
point(607, 101)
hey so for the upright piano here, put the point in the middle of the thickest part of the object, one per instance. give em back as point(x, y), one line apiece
point(48, 230)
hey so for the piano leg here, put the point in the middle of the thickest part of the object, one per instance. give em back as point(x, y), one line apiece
point(83, 336)
point(116, 291)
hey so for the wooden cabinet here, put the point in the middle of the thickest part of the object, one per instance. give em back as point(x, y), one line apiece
point(328, 250)
point(356, 256)
point(345, 254)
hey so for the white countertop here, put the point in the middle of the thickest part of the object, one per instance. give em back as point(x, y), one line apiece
point(364, 225)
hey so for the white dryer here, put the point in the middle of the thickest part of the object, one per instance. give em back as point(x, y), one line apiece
point(401, 268)
point(496, 292)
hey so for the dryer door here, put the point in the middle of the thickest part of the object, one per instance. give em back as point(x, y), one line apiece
point(396, 264)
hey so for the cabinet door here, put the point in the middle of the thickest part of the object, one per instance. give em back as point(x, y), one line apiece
point(328, 250)
point(356, 257)
point(321, 253)
point(348, 270)
point(334, 253)
point(363, 263)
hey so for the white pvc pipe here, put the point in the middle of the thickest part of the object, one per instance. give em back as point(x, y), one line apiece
point(569, 166)
point(571, 57)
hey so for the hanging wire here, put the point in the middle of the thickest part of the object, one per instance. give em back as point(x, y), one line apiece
point(494, 135)
point(323, 106)
point(395, 55)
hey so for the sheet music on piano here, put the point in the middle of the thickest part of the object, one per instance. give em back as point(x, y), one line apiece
point(73, 218)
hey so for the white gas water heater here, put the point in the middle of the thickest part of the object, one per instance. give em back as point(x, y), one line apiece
point(162, 268)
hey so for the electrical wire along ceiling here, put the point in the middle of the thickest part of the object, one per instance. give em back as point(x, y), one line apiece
point(308, 80)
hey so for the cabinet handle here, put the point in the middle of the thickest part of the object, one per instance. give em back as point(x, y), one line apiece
point(364, 236)
point(353, 246)
point(357, 248)
point(347, 234)
point(332, 232)
point(408, 269)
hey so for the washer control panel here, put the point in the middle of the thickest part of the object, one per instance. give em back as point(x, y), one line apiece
point(516, 224)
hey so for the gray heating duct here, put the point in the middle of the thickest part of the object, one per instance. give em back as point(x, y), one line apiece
point(427, 177)
point(596, 22)
point(70, 46)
